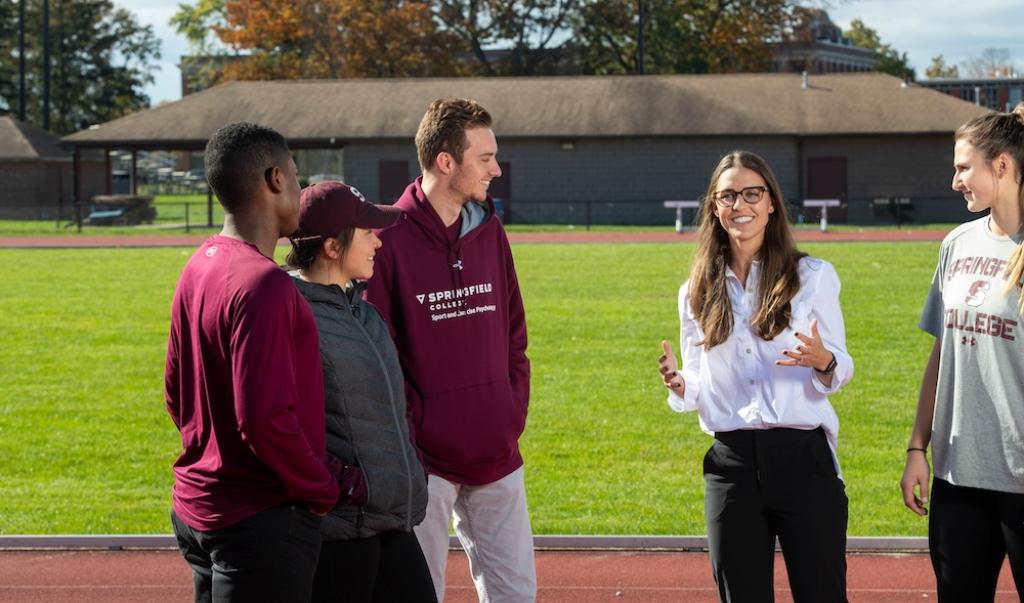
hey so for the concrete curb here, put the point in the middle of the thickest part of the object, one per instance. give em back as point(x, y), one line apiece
point(854, 544)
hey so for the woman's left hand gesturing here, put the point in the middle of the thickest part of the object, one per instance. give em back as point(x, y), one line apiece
point(810, 352)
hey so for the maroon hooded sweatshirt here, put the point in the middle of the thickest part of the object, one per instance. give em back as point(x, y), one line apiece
point(456, 315)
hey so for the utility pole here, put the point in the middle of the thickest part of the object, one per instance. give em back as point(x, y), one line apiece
point(640, 37)
point(46, 64)
point(21, 60)
point(62, 75)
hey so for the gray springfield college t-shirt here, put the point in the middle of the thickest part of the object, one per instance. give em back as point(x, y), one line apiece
point(978, 429)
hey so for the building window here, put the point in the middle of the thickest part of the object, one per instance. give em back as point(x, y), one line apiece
point(1015, 97)
point(991, 97)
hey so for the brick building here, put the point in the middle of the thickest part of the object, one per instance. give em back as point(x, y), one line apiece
point(818, 46)
point(996, 93)
point(605, 149)
point(36, 173)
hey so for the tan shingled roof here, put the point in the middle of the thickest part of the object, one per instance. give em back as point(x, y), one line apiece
point(20, 141)
point(673, 105)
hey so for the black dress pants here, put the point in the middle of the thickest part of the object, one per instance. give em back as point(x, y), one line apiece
point(768, 483)
point(269, 557)
point(970, 532)
point(386, 568)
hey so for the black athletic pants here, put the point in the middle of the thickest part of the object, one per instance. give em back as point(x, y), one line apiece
point(768, 483)
point(269, 557)
point(386, 568)
point(970, 532)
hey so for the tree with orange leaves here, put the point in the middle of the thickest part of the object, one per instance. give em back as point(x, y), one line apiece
point(278, 39)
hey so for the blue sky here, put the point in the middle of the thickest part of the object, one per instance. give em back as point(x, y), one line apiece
point(958, 29)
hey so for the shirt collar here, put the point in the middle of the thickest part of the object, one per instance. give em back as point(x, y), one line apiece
point(738, 295)
point(755, 269)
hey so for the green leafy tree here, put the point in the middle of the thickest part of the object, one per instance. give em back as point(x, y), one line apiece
point(196, 23)
point(682, 36)
point(8, 55)
point(887, 59)
point(517, 37)
point(205, 65)
point(939, 69)
point(100, 61)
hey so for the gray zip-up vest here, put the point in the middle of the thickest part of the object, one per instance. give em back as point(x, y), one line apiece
point(365, 405)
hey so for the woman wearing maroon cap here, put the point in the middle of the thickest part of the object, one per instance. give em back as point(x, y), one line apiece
point(369, 551)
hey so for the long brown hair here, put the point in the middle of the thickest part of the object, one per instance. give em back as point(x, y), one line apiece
point(779, 276)
point(993, 134)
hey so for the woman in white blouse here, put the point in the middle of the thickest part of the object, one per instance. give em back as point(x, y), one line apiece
point(763, 344)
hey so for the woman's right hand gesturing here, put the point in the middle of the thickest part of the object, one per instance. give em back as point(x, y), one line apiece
point(668, 367)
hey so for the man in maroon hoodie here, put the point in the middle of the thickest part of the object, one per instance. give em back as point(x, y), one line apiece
point(446, 285)
point(244, 387)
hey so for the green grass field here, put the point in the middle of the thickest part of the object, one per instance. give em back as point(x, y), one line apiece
point(86, 447)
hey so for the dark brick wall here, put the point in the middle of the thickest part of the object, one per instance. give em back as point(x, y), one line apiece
point(624, 181)
point(36, 189)
point(362, 163)
point(917, 167)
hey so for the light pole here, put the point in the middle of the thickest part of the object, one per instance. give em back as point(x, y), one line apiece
point(46, 64)
point(640, 37)
point(21, 60)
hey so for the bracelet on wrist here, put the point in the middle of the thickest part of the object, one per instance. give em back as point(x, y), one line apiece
point(913, 448)
point(831, 366)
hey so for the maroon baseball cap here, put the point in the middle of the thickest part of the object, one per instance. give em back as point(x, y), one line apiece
point(327, 208)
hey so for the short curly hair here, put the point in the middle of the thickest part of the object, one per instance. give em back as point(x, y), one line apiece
point(236, 158)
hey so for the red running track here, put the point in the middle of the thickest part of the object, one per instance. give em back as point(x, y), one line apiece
point(563, 577)
point(57, 241)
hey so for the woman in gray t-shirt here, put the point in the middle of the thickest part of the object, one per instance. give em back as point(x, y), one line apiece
point(971, 406)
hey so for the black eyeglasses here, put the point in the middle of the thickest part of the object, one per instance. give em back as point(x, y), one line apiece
point(751, 195)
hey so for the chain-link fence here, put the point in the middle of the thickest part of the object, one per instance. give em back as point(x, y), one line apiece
point(170, 213)
point(163, 215)
point(879, 211)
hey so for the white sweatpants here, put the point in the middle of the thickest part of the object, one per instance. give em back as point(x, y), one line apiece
point(493, 526)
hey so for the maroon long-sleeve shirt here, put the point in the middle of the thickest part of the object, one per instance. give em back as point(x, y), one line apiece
point(243, 385)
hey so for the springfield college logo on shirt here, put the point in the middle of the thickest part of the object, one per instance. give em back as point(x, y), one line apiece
point(455, 303)
point(978, 291)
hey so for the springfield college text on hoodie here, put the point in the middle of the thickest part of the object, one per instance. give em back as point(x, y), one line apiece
point(456, 314)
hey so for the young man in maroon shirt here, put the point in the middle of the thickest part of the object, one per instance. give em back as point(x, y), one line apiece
point(446, 284)
point(243, 385)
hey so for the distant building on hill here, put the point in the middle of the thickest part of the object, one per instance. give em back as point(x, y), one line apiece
point(996, 93)
point(819, 47)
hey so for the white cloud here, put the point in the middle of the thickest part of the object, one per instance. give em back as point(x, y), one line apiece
point(956, 29)
point(158, 13)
